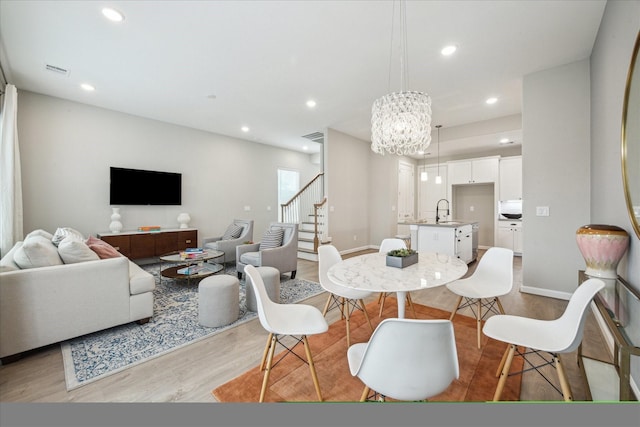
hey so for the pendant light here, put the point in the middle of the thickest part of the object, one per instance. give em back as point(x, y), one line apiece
point(423, 175)
point(438, 177)
point(401, 121)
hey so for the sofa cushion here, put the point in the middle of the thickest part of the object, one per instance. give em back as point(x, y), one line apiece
point(72, 250)
point(252, 258)
point(272, 238)
point(7, 263)
point(101, 248)
point(37, 251)
point(63, 232)
point(233, 232)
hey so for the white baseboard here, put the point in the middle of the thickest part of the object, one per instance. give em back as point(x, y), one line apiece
point(546, 292)
point(361, 248)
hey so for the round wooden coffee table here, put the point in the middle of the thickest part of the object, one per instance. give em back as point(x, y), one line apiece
point(200, 263)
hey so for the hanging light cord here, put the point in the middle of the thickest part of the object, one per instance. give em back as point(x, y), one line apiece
point(404, 55)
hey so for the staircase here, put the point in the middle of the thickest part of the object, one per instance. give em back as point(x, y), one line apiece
point(307, 209)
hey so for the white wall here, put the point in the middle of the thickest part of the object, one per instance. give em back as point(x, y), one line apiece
point(556, 173)
point(610, 61)
point(347, 189)
point(609, 67)
point(67, 149)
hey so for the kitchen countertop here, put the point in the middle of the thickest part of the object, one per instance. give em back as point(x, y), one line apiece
point(451, 224)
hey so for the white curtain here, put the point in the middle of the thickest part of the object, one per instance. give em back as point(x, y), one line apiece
point(10, 176)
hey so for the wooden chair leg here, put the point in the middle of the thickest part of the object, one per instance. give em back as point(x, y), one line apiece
point(366, 315)
point(410, 302)
point(365, 393)
point(342, 306)
point(564, 384)
point(266, 350)
point(267, 370)
point(479, 323)
point(326, 306)
point(383, 296)
point(505, 373)
point(455, 309)
point(504, 359)
point(500, 305)
point(312, 367)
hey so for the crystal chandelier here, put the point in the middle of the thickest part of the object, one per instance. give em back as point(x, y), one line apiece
point(401, 121)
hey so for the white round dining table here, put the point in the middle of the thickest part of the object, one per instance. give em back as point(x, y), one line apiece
point(369, 272)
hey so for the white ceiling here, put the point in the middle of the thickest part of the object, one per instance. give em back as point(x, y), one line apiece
point(262, 60)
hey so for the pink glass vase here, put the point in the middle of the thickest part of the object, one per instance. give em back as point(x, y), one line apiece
point(602, 247)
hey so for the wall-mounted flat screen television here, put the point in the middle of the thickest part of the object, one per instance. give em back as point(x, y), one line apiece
point(144, 187)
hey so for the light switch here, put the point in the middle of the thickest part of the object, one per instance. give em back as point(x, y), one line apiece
point(542, 210)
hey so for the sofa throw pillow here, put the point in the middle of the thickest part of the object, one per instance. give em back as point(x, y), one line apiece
point(272, 238)
point(40, 232)
point(233, 232)
point(102, 249)
point(64, 232)
point(72, 250)
point(37, 251)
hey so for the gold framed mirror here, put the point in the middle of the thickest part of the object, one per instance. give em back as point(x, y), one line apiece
point(631, 140)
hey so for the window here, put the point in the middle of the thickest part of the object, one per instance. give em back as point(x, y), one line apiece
point(288, 186)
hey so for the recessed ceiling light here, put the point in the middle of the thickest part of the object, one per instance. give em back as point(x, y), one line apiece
point(311, 103)
point(245, 128)
point(212, 96)
point(504, 140)
point(87, 87)
point(492, 100)
point(305, 148)
point(448, 50)
point(112, 14)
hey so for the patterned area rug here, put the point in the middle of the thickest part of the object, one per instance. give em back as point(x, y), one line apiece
point(174, 325)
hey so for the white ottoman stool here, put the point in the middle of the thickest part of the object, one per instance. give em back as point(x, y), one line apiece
point(271, 278)
point(218, 300)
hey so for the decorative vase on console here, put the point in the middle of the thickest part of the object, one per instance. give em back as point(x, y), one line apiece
point(116, 225)
point(184, 219)
point(602, 247)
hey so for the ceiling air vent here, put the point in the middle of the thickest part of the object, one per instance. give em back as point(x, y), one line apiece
point(57, 70)
point(315, 137)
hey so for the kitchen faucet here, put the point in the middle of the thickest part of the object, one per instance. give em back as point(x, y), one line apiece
point(438, 209)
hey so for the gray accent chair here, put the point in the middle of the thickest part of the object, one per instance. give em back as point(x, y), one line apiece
point(284, 258)
point(229, 246)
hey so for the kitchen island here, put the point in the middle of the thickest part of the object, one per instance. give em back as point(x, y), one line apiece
point(455, 238)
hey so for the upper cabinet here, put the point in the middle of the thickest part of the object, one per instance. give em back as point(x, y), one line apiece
point(511, 178)
point(474, 171)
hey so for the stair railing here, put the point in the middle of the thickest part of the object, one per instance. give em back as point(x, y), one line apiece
point(308, 204)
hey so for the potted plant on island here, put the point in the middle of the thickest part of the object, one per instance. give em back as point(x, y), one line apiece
point(401, 258)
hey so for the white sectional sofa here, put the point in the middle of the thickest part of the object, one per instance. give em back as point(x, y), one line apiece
point(45, 304)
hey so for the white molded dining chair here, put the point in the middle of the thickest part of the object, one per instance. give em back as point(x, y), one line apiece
point(554, 337)
point(296, 320)
point(342, 297)
point(492, 279)
point(406, 359)
point(387, 245)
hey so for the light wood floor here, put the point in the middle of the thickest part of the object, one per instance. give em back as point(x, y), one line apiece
point(189, 374)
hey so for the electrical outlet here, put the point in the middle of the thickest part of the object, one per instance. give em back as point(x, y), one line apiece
point(268, 208)
point(542, 210)
point(472, 208)
point(331, 209)
point(247, 208)
point(355, 237)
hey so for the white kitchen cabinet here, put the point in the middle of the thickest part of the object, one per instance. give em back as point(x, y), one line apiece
point(473, 171)
point(511, 178)
point(510, 236)
point(449, 240)
point(429, 192)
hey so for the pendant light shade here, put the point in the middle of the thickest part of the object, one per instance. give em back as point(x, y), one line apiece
point(401, 121)
point(438, 177)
